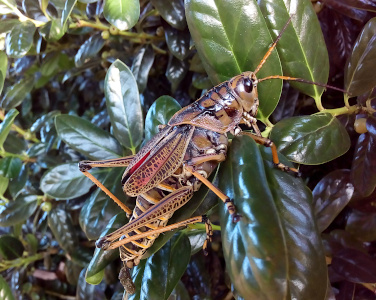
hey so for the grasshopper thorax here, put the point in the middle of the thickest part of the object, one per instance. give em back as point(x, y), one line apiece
point(245, 88)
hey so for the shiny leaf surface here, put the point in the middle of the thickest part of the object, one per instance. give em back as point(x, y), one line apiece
point(359, 71)
point(141, 66)
point(232, 37)
point(86, 138)
point(362, 225)
point(176, 71)
point(311, 140)
point(330, 196)
point(20, 39)
point(69, 4)
point(123, 105)
point(162, 271)
point(3, 69)
point(19, 210)
point(159, 113)
point(172, 11)
point(177, 41)
point(123, 14)
point(88, 50)
point(6, 124)
point(263, 251)
point(10, 247)
point(302, 48)
point(5, 290)
point(10, 167)
point(17, 93)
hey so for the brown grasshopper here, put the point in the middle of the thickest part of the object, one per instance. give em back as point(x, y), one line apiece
point(166, 172)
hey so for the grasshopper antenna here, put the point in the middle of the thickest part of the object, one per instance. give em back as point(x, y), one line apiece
point(272, 46)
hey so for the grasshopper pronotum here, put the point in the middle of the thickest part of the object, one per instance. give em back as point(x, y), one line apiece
point(166, 172)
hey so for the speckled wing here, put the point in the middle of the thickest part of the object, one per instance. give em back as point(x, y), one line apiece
point(157, 161)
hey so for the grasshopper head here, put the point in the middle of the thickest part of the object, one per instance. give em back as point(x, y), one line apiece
point(245, 87)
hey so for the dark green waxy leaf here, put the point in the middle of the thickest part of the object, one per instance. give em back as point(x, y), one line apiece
point(159, 114)
point(163, 270)
point(89, 50)
point(69, 4)
point(102, 258)
point(330, 196)
point(8, 24)
point(33, 10)
point(232, 37)
point(201, 81)
point(176, 71)
point(123, 105)
point(86, 138)
point(302, 48)
point(60, 223)
point(50, 64)
point(177, 41)
point(4, 182)
point(3, 69)
point(15, 144)
point(123, 14)
point(364, 162)
point(5, 291)
point(362, 225)
point(10, 167)
point(52, 31)
point(359, 71)
point(17, 93)
point(141, 66)
point(172, 11)
point(19, 210)
point(10, 247)
point(354, 265)
point(339, 239)
point(99, 208)
point(311, 140)
point(72, 272)
point(180, 292)
point(6, 124)
point(67, 181)
point(264, 250)
point(20, 39)
point(89, 291)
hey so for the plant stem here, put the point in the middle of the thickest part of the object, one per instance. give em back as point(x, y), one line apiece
point(27, 135)
point(342, 110)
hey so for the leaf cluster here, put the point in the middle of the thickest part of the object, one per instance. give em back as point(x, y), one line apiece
point(89, 79)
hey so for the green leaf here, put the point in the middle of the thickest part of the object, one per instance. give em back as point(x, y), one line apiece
point(3, 69)
point(177, 42)
point(20, 39)
point(69, 5)
point(264, 250)
point(86, 138)
point(8, 24)
point(123, 14)
point(172, 11)
point(60, 223)
point(359, 73)
point(232, 38)
point(176, 71)
point(123, 105)
point(52, 30)
point(89, 50)
point(7, 6)
point(312, 139)
point(96, 278)
point(5, 291)
point(99, 208)
point(19, 210)
point(4, 182)
point(102, 258)
point(302, 48)
point(17, 93)
point(6, 125)
point(50, 64)
point(10, 167)
point(10, 247)
point(141, 66)
point(163, 270)
point(159, 113)
point(67, 181)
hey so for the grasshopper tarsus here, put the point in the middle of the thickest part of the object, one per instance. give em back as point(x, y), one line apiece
point(84, 166)
point(236, 218)
point(102, 243)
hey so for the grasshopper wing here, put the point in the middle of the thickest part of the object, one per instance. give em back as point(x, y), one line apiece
point(157, 160)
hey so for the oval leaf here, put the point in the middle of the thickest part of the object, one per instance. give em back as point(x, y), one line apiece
point(362, 225)
point(264, 250)
point(312, 139)
point(231, 39)
point(123, 105)
point(19, 210)
point(20, 39)
point(302, 48)
point(3, 69)
point(159, 113)
point(141, 66)
point(162, 271)
point(359, 71)
point(6, 124)
point(5, 291)
point(330, 196)
point(86, 138)
point(10, 247)
point(123, 14)
point(17, 93)
point(172, 11)
point(89, 49)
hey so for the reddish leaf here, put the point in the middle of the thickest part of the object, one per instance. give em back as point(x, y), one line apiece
point(347, 8)
point(362, 225)
point(338, 239)
point(330, 196)
point(355, 266)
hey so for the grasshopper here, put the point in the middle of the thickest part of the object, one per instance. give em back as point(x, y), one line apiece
point(166, 172)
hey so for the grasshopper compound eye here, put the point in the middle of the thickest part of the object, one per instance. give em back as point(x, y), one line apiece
point(248, 85)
